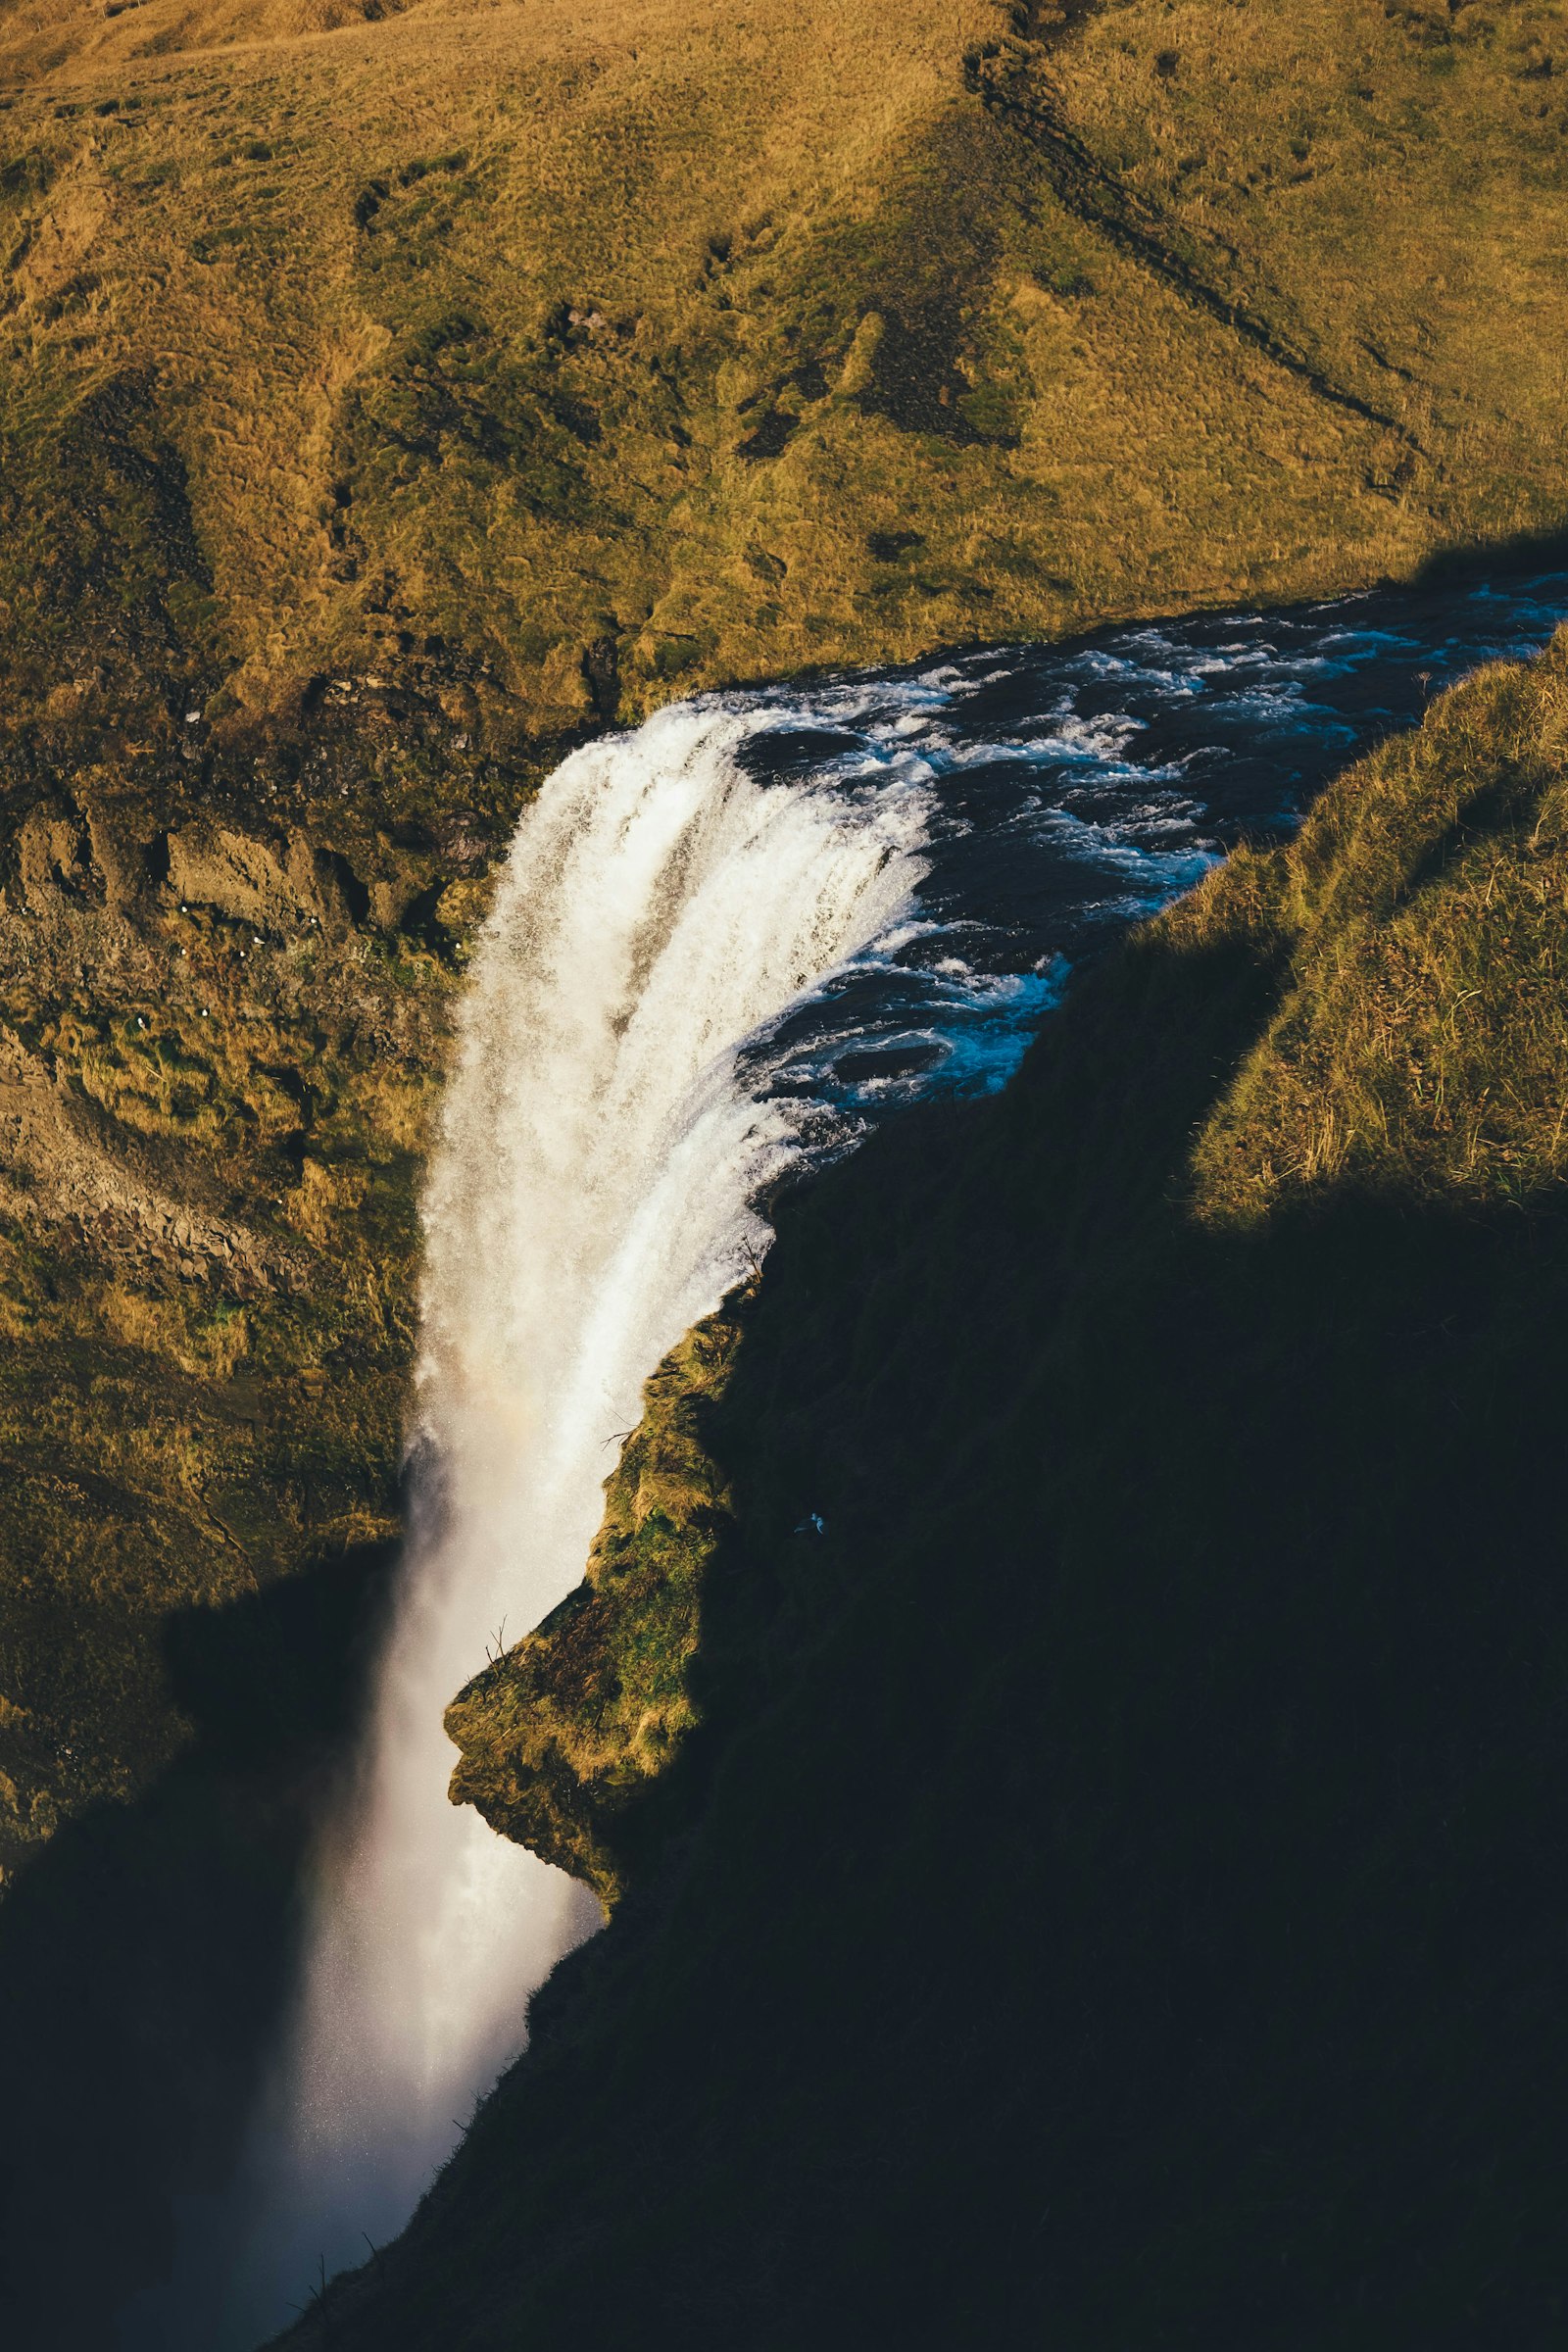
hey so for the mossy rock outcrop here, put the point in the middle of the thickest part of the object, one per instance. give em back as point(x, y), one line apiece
point(216, 1077)
point(566, 1737)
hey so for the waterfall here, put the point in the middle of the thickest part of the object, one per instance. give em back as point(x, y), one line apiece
point(720, 944)
point(592, 1196)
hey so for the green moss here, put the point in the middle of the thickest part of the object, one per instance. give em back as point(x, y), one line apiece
point(563, 1737)
point(208, 1218)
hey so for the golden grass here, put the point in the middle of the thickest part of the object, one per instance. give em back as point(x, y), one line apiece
point(1420, 1045)
point(633, 348)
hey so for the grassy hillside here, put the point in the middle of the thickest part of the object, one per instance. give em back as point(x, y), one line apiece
point(549, 359)
point(1116, 1895)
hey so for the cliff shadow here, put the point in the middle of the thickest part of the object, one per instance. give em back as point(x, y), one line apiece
point(146, 1956)
point(1124, 1883)
point(1127, 1877)
point(1510, 555)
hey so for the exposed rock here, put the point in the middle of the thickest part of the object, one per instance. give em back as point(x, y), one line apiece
point(212, 1094)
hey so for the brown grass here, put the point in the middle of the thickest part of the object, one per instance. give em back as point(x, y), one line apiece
point(1420, 1045)
point(618, 346)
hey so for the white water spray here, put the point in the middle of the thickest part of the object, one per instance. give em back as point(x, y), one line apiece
point(592, 1197)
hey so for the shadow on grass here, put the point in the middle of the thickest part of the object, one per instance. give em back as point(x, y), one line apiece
point(144, 1957)
point(1511, 554)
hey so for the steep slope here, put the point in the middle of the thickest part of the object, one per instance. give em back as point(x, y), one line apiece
point(1115, 1899)
point(547, 357)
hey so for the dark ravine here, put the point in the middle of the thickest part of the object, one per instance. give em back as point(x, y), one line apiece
point(1110, 1894)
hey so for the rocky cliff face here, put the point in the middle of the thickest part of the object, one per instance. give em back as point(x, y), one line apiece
point(216, 1067)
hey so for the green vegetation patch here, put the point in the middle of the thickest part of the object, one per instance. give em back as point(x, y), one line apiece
point(214, 1087)
point(563, 1737)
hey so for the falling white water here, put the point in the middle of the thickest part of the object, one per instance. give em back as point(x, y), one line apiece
point(592, 1196)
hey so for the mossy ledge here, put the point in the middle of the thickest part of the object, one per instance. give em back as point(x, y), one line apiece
point(566, 1737)
point(1113, 1873)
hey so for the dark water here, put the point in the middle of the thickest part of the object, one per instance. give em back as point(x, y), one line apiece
point(1071, 790)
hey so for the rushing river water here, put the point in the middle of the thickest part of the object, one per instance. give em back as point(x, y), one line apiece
point(722, 943)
